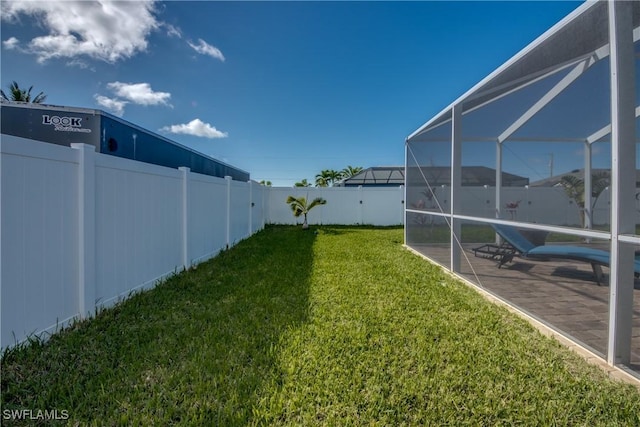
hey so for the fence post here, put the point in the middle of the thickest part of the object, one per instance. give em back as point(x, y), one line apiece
point(402, 197)
point(228, 178)
point(86, 229)
point(186, 260)
point(361, 213)
point(266, 205)
point(251, 204)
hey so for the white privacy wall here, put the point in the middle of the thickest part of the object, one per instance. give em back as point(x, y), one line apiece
point(345, 205)
point(39, 231)
point(138, 225)
point(81, 230)
point(239, 213)
point(257, 206)
point(208, 215)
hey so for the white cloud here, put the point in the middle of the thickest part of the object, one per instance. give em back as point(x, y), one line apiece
point(136, 93)
point(139, 93)
point(205, 48)
point(105, 30)
point(80, 64)
point(116, 106)
point(196, 127)
point(11, 43)
point(173, 31)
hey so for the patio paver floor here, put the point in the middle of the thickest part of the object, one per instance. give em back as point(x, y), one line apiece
point(564, 295)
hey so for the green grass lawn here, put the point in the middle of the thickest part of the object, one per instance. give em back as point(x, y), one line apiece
point(331, 326)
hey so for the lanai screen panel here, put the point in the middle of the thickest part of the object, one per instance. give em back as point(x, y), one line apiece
point(542, 123)
point(428, 184)
point(491, 120)
point(556, 149)
point(548, 123)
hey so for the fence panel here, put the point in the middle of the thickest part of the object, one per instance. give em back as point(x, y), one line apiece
point(207, 216)
point(382, 206)
point(257, 206)
point(138, 225)
point(343, 206)
point(240, 205)
point(39, 237)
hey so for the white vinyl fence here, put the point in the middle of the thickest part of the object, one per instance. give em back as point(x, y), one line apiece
point(345, 205)
point(81, 230)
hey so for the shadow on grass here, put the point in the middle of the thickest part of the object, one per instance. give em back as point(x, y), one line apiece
point(195, 350)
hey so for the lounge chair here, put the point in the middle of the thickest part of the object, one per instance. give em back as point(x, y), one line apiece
point(526, 249)
point(514, 242)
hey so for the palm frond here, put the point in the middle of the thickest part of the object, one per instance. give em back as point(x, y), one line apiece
point(297, 210)
point(315, 202)
point(298, 205)
point(599, 182)
point(39, 98)
point(21, 95)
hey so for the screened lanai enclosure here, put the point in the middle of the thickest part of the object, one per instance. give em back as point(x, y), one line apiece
point(552, 224)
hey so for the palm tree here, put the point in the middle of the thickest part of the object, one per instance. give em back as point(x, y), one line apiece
point(327, 178)
point(321, 181)
point(303, 183)
point(350, 171)
point(22, 95)
point(574, 187)
point(299, 207)
point(334, 176)
point(265, 183)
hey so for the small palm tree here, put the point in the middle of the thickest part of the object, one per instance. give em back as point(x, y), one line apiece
point(299, 207)
point(22, 95)
point(303, 183)
point(574, 187)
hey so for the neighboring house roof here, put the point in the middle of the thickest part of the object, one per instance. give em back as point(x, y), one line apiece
point(436, 175)
point(376, 176)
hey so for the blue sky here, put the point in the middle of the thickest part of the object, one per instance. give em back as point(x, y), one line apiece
point(280, 89)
